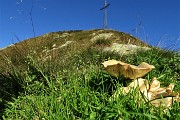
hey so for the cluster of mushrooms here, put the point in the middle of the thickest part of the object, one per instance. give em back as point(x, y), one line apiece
point(152, 92)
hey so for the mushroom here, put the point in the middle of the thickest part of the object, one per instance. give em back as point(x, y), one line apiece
point(119, 68)
point(152, 92)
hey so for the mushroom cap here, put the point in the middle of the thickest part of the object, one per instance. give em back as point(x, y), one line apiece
point(119, 68)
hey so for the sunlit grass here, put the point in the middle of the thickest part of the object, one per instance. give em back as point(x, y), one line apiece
point(82, 90)
point(76, 86)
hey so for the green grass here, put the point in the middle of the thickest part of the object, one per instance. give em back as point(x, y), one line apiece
point(74, 85)
point(81, 90)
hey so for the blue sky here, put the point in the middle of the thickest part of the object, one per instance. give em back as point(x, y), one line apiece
point(160, 19)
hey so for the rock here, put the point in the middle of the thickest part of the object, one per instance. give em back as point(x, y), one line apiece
point(101, 36)
point(125, 48)
point(62, 46)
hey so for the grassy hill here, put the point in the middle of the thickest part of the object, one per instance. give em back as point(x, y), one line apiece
point(51, 44)
point(60, 76)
